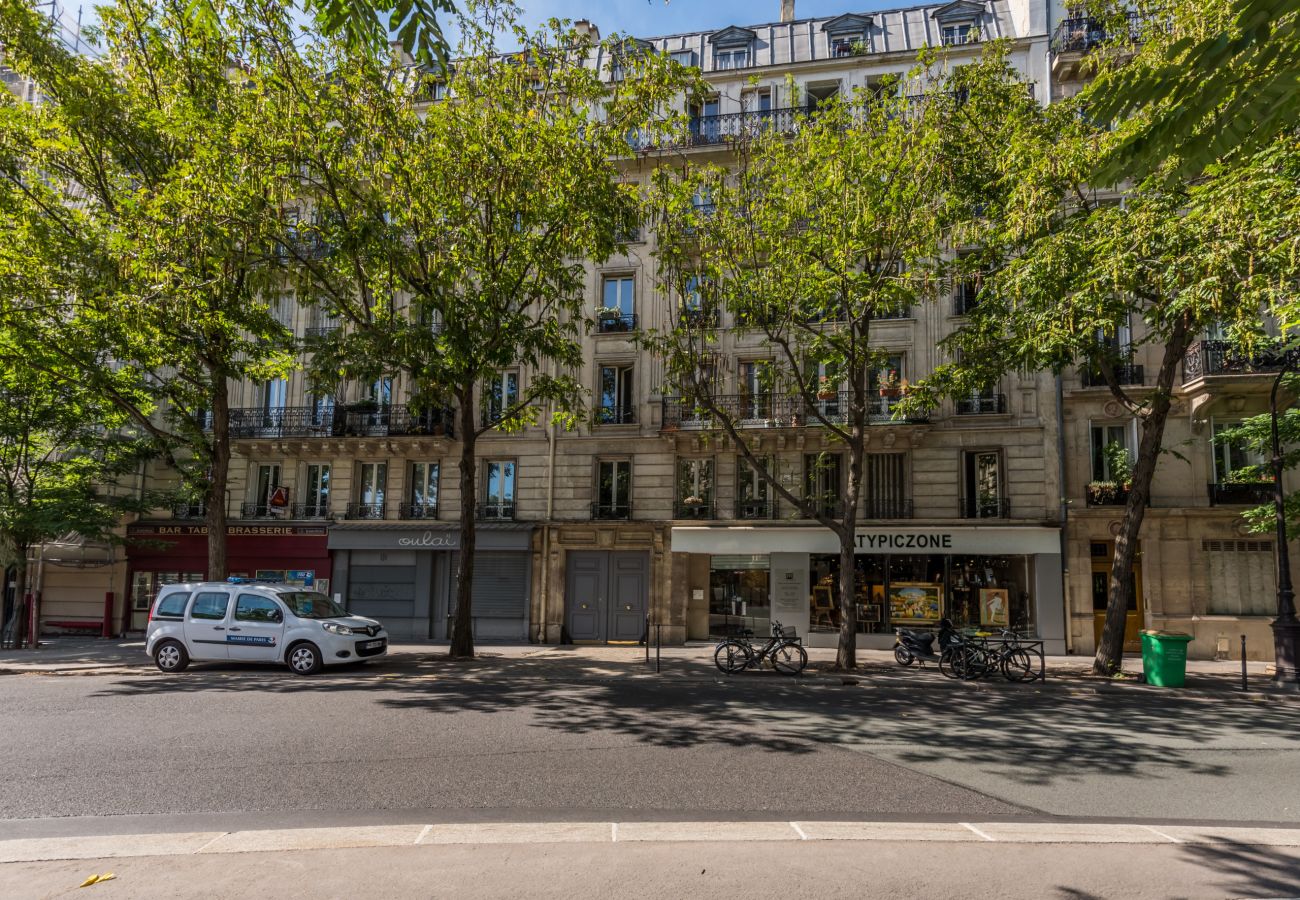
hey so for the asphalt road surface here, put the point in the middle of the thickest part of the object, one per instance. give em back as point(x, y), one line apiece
point(547, 739)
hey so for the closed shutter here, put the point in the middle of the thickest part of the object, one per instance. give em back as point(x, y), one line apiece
point(1242, 578)
point(500, 585)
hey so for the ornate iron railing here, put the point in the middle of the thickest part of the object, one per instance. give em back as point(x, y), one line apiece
point(1079, 34)
point(1105, 493)
point(771, 410)
point(756, 509)
point(611, 510)
point(985, 508)
point(1206, 358)
point(365, 511)
point(501, 511)
point(988, 404)
point(617, 324)
point(190, 512)
point(1125, 373)
point(886, 508)
point(311, 421)
point(707, 131)
point(683, 510)
point(418, 511)
point(320, 510)
point(1241, 493)
point(616, 415)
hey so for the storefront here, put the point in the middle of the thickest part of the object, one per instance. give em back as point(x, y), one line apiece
point(161, 553)
point(406, 577)
point(986, 577)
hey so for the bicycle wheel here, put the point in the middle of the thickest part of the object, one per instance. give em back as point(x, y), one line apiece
point(1018, 665)
point(789, 659)
point(949, 660)
point(979, 663)
point(732, 657)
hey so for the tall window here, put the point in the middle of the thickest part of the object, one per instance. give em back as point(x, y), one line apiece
point(823, 480)
point(380, 391)
point(316, 491)
point(268, 479)
point(322, 409)
point(613, 489)
point(275, 395)
point(706, 121)
point(886, 486)
point(424, 491)
point(982, 485)
point(954, 35)
point(731, 58)
point(694, 488)
point(1104, 461)
point(616, 404)
point(501, 395)
point(371, 487)
point(887, 384)
point(499, 501)
point(756, 389)
point(1229, 456)
point(753, 494)
point(618, 304)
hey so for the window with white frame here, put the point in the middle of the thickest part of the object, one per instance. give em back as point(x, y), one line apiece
point(959, 33)
point(1119, 437)
point(754, 495)
point(372, 484)
point(731, 57)
point(501, 395)
point(316, 491)
point(616, 387)
point(1230, 456)
point(268, 479)
point(695, 487)
point(683, 57)
point(499, 496)
point(617, 300)
point(423, 491)
point(613, 489)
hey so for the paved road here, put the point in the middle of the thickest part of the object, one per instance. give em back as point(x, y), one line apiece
point(421, 738)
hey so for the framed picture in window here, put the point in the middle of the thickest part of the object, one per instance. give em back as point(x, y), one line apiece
point(915, 603)
point(995, 606)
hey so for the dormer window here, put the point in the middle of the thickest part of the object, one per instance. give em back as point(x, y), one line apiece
point(684, 57)
point(847, 35)
point(958, 22)
point(733, 48)
point(955, 35)
point(621, 59)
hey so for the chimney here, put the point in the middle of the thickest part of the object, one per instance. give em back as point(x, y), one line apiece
point(787, 10)
point(587, 29)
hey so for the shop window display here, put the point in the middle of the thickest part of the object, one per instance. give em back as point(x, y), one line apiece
point(739, 596)
point(869, 586)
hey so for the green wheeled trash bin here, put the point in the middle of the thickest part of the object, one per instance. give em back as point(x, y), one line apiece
point(1164, 658)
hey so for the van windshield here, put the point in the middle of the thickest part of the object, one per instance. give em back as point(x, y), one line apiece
point(311, 605)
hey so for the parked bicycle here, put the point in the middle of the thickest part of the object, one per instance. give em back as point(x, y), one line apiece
point(783, 650)
point(1007, 656)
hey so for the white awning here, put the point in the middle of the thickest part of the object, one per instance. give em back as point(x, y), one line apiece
point(979, 539)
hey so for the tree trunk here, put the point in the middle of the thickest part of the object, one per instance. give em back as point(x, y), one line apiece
point(462, 628)
point(846, 656)
point(218, 478)
point(15, 629)
point(1110, 649)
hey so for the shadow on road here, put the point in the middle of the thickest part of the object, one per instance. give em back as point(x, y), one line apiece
point(1031, 735)
point(1247, 870)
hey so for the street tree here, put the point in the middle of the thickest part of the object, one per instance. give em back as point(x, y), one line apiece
point(807, 240)
point(139, 228)
point(1078, 277)
point(445, 218)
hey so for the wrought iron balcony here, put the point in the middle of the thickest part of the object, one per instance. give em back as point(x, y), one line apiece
point(1241, 493)
point(316, 332)
point(988, 404)
point(262, 511)
point(1125, 373)
point(1079, 34)
point(755, 509)
point(771, 410)
point(365, 511)
point(1207, 358)
point(418, 511)
point(833, 509)
point(707, 131)
point(698, 317)
point(612, 324)
point(318, 510)
point(985, 508)
point(611, 510)
point(701, 510)
point(1106, 493)
point(965, 300)
point(498, 511)
point(616, 415)
point(190, 512)
point(354, 421)
point(886, 508)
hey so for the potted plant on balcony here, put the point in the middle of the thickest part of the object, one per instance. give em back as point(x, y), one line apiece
point(364, 406)
point(890, 385)
point(1113, 491)
point(825, 388)
point(610, 318)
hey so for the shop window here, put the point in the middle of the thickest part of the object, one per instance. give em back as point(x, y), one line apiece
point(824, 615)
point(990, 593)
point(146, 585)
point(739, 595)
point(613, 489)
point(1242, 578)
point(823, 481)
point(694, 488)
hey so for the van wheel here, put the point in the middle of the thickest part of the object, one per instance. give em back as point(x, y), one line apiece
point(304, 659)
point(170, 656)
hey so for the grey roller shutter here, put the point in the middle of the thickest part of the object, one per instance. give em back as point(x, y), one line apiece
point(500, 585)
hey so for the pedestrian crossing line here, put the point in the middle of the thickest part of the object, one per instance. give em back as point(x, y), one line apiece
point(484, 833)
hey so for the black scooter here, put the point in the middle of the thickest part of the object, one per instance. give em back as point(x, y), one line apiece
point(918, 646)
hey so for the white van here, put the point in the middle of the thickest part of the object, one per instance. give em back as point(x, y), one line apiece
point(257, 621)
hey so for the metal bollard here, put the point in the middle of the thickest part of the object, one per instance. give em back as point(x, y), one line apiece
point(1244, 684)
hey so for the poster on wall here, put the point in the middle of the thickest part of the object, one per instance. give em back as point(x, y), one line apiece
point(915, 604)
point(995, 606)
point(301, 577)
point(276, 575)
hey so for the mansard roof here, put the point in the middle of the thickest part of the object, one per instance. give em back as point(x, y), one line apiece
point(731, 36)
point(959, 11)
point(847, 23)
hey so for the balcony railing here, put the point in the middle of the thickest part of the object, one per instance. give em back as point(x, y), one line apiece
point(262, 511)
point(1205, 358)
point(777, 411)
point(1241, 493)
point(190, 512)
point(989, 404)
point(886, 508)
point(616, 415)
point(985, 508)
point(617, 324)
point(317, 332)
point(706, 131)
point(755, 509)
point(1079, 34)
point(683, 510)
point(1125, 373)
point(365, 511)
point(611, 510)
point(831, 508)
point(1106, 493)
point(965, 301)
point(418, 510)
point(698, 317)
point(311, 421)
point(500, 511)
point(319, 510)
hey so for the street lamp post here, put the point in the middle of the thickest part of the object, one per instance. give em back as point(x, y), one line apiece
point(1286, 628)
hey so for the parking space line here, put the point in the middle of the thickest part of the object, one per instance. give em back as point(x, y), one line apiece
point(977, 831)
point(1169, 838)
point(798, 831)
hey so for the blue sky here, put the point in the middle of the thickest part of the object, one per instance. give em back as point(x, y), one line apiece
point(655, 17)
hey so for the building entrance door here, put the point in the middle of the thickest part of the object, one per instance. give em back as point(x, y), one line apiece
point(1102, 556)
point(606, 595)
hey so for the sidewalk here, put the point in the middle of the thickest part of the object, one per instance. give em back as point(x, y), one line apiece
point(1205, 678)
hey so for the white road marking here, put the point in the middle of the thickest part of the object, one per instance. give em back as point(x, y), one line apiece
point(613, 832)
point(976, 830)
point(1162, 834)
point(424, 834)
point(798, 831)
point(211, 842)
